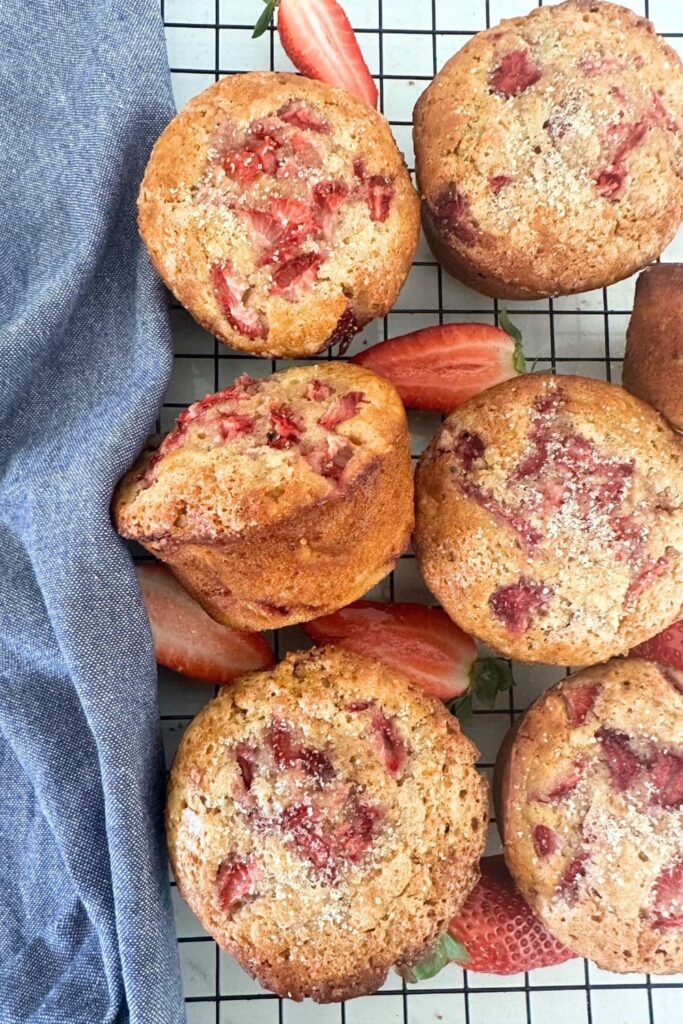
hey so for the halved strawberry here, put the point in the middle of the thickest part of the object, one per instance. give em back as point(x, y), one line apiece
point(419, 641)
point(230, 289)
point(498, 929)
point(318, 39)
point(666, 647)
point(441, 367)
point(188, 640)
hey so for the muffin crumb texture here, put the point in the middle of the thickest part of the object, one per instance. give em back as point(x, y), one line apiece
point(325, 822)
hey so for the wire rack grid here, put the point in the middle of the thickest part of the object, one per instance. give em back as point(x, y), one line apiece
point(404, 42)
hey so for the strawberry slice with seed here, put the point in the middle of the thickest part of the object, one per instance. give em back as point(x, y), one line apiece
point(230, 289)
point(188, 640)
point(421, 642)
point(441, 367)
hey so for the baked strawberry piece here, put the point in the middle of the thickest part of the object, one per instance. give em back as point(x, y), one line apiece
point(280, 213)
point(550, 519)
point(277, 500)
point(590, 806)
point(325, 822)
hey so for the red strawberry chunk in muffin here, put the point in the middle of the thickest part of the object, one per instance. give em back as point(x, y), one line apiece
point(289, 752)
point(246, 757)
point(667, 902)
point(648, 572)
point(317, 391)
point(285, 429)
point(515, 604)
point(328, 197)
point(377, 191)
point(230, 289)
point(564, 786)
point(499, 181)
point(237, 883)
point(545, 841)
point(452, 209)
point(330, 458)
point(622, 761)
point(229, 425)
point(342, 409)
point(579, 701)
point(391, 748)
point(295, 276)
point(301, 115)
point(576, 870)
point(469, 447)
point(515, 73)
point(666, 778)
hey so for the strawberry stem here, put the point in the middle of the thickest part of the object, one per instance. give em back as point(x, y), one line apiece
point(488, 677)
point(265, 19)
point(442, 953)
point(518, 361)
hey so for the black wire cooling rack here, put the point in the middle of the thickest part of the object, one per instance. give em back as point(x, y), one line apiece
point(404, 42)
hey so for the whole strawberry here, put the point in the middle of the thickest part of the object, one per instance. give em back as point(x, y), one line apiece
point(498, 930)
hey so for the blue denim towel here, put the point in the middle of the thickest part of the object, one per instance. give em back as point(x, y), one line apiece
point(85, 923)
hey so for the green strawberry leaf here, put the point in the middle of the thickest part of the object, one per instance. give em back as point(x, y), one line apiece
point(463, 707)
point(441, 954)
point(265, 19)
point(506, 323)
point(489, 677)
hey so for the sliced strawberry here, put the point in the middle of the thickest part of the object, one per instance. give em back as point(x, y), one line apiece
point(285, 224)
point(579, 701)
point(301, 115)
point(188, 640)
point(419, 641)
point(285, 430)
point(622, 761)
point(666, 647)
point(342, 409)
point(666, 776)
point(296, 275)
point(667, 902)
point(498, 929)
point(515, 604)
point(316, 391)
point(441, 367)
point(230, 289)
point(237, 883)
point(515, 73)
point(317, 37)
point(545, 841)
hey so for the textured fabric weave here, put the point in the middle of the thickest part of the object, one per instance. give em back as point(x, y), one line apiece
point(85, 922)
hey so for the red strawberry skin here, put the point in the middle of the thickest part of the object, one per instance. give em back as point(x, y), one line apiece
point(441, 367)
point(318, 39)
point(666, 647)
point(419, 641)
point(188, 640)
point(499, 931)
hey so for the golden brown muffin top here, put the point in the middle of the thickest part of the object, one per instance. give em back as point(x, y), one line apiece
point(324, 821)
point(592, 798)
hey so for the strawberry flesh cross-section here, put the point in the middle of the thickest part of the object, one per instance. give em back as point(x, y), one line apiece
point(514, 605)
point(230, 289)
point(342, 409)
point(237, 883)
point(545, 841)
point(579, 701)
point(667, 898)
point(514, 73)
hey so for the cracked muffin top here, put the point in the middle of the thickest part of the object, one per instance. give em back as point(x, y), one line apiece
point(260, 450)
point(591, 791)
point(325, 821)
point(280, 213)
point(549, 151)
point(550, 519)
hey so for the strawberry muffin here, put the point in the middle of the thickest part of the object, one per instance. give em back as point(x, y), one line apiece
point(590, 794)
point(549, 152)
point(653, 361)
point(550, 519)
point(325, 821)
point(280, 213)
point(278, 500)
